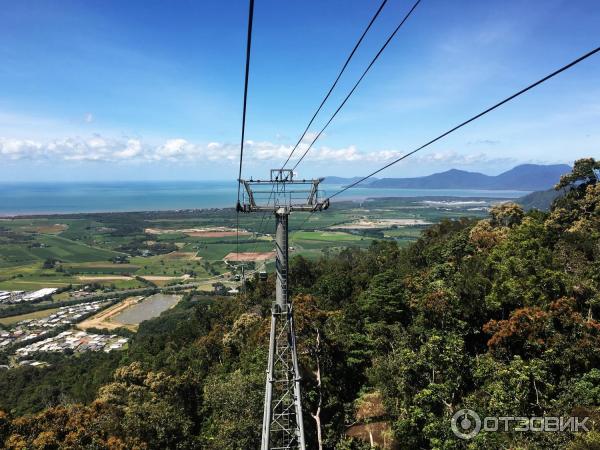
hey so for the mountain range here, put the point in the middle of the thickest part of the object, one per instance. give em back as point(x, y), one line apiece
point(525, 177)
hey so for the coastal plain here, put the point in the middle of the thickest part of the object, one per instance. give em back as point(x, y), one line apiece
point(134, 250)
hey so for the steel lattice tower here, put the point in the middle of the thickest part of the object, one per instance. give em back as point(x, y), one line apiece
point(283, 426)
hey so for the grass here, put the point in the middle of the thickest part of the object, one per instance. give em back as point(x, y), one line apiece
point(326, 236)
point(32, 283)
point(119, 284)
point(6, 272)
point(8, 321)
point(52, 247)
point(70, 251)
point(16, 255)
point(169, 237)
point(404, 235)
point(217, 251)
point(61, 297)
point(402, 232)
point(32, 277)
point(167, 266)
point(25, 284)
point(101, 268)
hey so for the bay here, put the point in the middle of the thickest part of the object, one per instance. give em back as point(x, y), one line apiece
point(61, 198)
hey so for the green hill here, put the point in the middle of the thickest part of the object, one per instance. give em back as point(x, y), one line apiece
point(525, 177)
point(541, 200)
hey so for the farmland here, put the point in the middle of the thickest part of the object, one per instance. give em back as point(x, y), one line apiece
point(7, 321)
point(115, 251)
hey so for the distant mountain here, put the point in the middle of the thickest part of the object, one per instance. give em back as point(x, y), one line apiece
point(531, 177)
point(541, 200)
point(526, 177)
point(451, 179)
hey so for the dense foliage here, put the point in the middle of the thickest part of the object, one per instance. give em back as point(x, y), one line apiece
point(498, 315)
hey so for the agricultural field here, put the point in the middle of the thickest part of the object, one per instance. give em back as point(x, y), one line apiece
point(313, 244)
point(8, 321)
point(133, 250)
point(99, 268)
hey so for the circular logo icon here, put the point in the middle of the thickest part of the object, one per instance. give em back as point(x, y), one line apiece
point(466, 424)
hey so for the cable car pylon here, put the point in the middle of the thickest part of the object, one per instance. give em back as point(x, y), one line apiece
point(283, 427)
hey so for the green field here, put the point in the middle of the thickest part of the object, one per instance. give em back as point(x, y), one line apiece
point(87, 245)
point(100, 268)
point(219, 251)
point(165, 266)
point(323, 236)
point(71, 251)
point(32, 284)
point(44, 246)
point(8, 321)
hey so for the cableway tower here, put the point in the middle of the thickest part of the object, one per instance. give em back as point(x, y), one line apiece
point(282, 417)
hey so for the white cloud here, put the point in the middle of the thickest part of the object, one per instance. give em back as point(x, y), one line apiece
point(15, 148)
point(88, 117)
point(133, 148)
point(173, 149)
point(96, 142)
point(102, 149)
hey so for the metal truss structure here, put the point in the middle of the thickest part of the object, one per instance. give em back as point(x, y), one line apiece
point(283, 427)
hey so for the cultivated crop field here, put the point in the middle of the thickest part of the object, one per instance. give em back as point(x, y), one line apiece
point(131, 250)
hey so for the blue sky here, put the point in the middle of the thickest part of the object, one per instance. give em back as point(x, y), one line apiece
point(150, 90)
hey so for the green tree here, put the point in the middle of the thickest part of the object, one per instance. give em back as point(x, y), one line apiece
point(234, 407)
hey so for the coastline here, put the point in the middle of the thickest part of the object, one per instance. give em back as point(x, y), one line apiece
point(432, 200)
point(52, 199)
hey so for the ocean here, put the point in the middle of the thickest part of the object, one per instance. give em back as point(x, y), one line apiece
point(61, 198)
